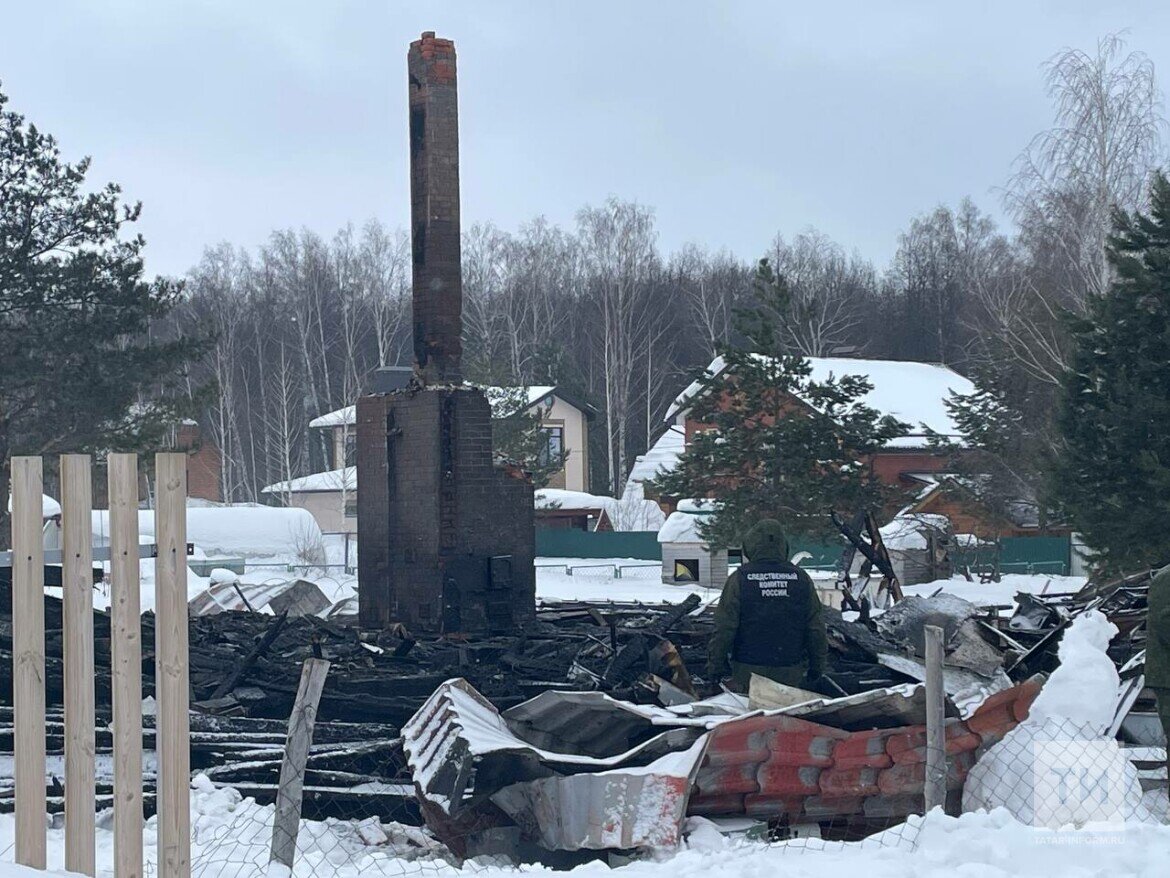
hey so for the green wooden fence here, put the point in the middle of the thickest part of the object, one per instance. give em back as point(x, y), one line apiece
point(1040, 554)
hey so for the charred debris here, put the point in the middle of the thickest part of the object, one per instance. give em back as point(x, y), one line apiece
point(631, 673)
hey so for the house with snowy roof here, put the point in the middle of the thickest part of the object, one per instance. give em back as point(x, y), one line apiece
point(914, 393)
point(331, 495)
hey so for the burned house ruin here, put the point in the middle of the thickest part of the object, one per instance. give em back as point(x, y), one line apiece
point(445, 538)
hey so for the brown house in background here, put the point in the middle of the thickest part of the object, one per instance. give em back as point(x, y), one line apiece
point(914, 393)
point(204, 461)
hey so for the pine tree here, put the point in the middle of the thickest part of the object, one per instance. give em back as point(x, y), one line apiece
point(776, 443)
point(519, 435)
point(79, 370)
point(1111, 472)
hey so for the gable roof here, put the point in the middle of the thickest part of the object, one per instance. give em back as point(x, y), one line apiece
point(499, 398)
point(911, 392)
point(344, 479)
point(662, 457)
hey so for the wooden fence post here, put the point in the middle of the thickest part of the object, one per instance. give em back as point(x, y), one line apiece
point(28, 659)
point(173, 731)
point(286, 822)
point(77, 645)
point(126, 659)
point(935, 792)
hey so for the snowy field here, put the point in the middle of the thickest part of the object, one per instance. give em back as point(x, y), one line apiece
point(231, 839)
point(1001, 593)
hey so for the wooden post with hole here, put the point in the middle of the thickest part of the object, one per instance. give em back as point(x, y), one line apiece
point(171, 673)
point(126, 661)
point(77, 579)
point(28, 659)
point(935, 792)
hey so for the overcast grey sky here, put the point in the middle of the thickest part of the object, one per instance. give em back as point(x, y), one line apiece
point(734, 120)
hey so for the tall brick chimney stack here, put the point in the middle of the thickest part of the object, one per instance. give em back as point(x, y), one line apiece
point(434, 210)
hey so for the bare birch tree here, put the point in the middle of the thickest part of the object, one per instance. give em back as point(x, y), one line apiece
point(618, 242)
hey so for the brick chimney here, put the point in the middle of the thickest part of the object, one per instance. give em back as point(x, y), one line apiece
point(434, 210)
point(446, 538)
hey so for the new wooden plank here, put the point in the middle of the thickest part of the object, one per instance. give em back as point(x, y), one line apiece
point(77, 579)
point(28, 659)
point(126, 664)
point(171, 668)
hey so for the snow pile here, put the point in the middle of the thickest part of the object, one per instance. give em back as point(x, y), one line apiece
point(1002, 593)
point(1057, 768)
point(627, 514)
point(909, 532)
point(683, 524)
point(1084, 688)
point(233, 836)
point(49, 506)
point(244, 531)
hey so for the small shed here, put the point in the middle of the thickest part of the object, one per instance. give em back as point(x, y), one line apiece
point(686, 557)
point(919, 547)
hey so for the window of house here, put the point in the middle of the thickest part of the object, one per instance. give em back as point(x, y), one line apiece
point(350, 448)
point(555, 449)
point(351, 506)
point(686, 570)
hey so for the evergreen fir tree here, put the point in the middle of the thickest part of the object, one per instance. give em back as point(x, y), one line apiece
point(776, 443)
point(1111, 473)
point(79, 370)
point(518, 435)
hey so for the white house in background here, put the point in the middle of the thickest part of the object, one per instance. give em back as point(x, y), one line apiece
point(331, 496)
point(564, 419)
point(686, 558)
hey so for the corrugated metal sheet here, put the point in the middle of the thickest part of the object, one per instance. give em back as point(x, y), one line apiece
point(619, 809)
point(887, 708)
point(966, 689)
point(592, 723)
point(460, 750)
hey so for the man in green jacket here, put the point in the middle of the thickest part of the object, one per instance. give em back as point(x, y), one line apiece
point(1158, 648)
point(769, 619)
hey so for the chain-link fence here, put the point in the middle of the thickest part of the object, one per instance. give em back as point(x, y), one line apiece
point(359, 815)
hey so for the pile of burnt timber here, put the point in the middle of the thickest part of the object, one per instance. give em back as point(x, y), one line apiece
point(247, 664)
point(245, 668)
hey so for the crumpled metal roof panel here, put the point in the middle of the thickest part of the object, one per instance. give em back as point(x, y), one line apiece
point(628, 808)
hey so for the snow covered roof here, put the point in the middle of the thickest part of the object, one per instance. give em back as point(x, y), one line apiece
point(559, 498)
point(247, 531)
point(911, 392)
point(661, 458)
point(344, 479)
point(339, 418)
point(49, 506)
point(683, 524)
point(628, 513)
point(500, 399)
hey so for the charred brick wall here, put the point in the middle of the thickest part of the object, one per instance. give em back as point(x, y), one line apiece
point(434, 209)
point(434, 511)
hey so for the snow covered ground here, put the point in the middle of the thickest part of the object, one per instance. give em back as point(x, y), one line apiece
point(593, 579)
point(1001, 593)
point(231, 839)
